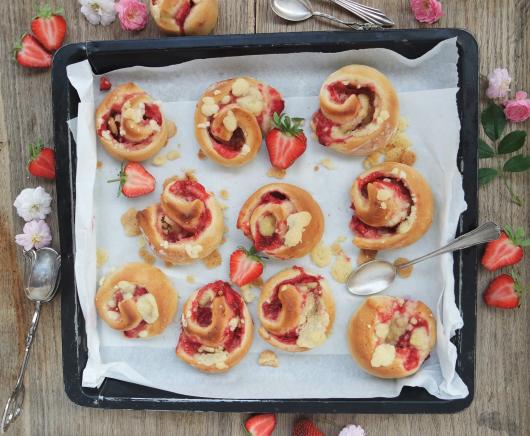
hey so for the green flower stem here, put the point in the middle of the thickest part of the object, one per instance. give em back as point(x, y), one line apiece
point(515, 198)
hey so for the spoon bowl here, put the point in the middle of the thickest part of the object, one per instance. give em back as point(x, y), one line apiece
point(290, 10)
point(371, 277)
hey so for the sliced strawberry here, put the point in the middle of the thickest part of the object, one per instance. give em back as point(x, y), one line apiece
point(49, 27)
point(42, 163)
point(504, 251)
point(135, 180)
point(30, 54)
point(245, 266)
point(286, 142)
point(261, 425)
point(104, 84)
point(306, 427)
point(504, 292)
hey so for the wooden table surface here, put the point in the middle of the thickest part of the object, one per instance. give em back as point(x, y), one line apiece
point(502, 395)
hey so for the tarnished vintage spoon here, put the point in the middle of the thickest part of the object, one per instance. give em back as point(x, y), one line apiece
point(377, 275)
point(41, 282)
point(300, 10)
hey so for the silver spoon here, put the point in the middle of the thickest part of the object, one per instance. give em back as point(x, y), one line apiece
point(377, 275)
point(300, 10)
point(41, 281)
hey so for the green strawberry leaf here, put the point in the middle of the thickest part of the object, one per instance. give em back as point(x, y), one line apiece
point(484, 149)
point(513, 141)
point(486, 175)
point(525, 243)
point(493, 121)
point(517, 164)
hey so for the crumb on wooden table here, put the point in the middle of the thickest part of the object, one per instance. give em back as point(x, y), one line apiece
point(130, 223)
point(268, 358)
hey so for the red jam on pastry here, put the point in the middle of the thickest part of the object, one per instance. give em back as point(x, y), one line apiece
point(217, 328)
point(391, 337)
point(359, 111)
point(185, 17)
point(392, 205)
point(296, 310)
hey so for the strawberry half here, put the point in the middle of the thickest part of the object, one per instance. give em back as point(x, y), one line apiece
point(306, 427)
point(504, 292)
point(286, 142)
point(104, 84)
point(261, 425)
point(245, 266)
point(42, 163)
point(30, 54)
point(49, 27)
point(135, 180)
point(505, 251)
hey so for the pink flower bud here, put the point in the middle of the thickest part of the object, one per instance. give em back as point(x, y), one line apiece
point(518, 110)
point(426, 11)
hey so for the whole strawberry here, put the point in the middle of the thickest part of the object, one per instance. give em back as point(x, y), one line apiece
point(504, 292)
point(507, 250)
point(245, 266)
point(286, 142)
point(135, 180)
point(42, 162)
point(49, 27)
point(306, 427)
point(30, 53)
point(261, 425)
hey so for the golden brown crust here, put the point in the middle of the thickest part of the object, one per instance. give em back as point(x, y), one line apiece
point(381, 209)
point(212, 356)
point(141, 275)
point(144, 138)
point(313, 324)
point(297, 201)
point(366, 323)
point(365, 118)
point(180, 215)
point(231, 118)
point(201, 20)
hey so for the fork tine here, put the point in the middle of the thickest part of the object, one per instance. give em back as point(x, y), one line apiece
point(369, 16)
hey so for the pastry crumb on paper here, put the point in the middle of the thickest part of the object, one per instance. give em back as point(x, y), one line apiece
point(366, 256)
point(268, 358)
point(173, 155)
point(342, 268)
point(321, 255)
point(276, 173)
point(159, 160)
point(201, 155)
point(328, 164)
point(247, 294)
point(190, 279)
point(101, 257)
point(130, 223)
point(213, 260)
point(224, 194)
point(99, 164)
point(146, 255)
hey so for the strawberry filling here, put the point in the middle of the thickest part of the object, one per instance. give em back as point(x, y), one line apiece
point(323, 127)
point(339, 92)
point(262, 242)
point(229, 149)
point(276, 197)
point(182, 13)
point(189, 189)
point(275, 104)
point(118, 296)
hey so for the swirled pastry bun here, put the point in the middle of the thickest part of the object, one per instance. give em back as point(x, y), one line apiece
point(231, 118)
point(185, 17)
point(217, 329)
point(187, 225)
point(359, 111)
point(391, 337)
point(282, 220)
point(131, 125)
point(296, 310)
point(138, 299)
point(392, 207)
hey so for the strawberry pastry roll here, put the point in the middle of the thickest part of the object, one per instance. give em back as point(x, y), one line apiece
point(282, 220)
point(391, 337)
point(185, 17)
point(131, 125)
point(138, 299)
point(231, 118)
point(296, 310)
point(392, 207)
point(359, 111)
point(217, 329)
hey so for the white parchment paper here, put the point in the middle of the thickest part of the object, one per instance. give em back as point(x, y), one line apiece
point(427, 91)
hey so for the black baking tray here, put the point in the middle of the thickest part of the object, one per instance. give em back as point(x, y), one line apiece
point(105, 56)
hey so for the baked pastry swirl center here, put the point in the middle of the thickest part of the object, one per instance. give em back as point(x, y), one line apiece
point(185, 17)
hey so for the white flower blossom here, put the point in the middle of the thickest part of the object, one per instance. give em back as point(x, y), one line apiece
point(33, 204)
point(98, 11)
point(352, 430)
point(36, 234)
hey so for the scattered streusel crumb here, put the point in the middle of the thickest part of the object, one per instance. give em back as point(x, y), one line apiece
point(141, 242)
point(159, 160)
point(99, 164)
point(316, 168)
point(201, 155)
point(247, 294)
point(101, 257)
point(321, 255)
point(268, 358)
point(129, 222)
point(224, 194)
point(366, 256)
point(190, 175)
point(372, 160)
point(403, 124)
point(190, 279)
point(276, 173)
point(408, 158)
point(213, 260)
point(342, 268)
point(328, 164)
point(172, 129)
point(173, 155)
point(403, 272)
point(336, 248)
point(146, 255)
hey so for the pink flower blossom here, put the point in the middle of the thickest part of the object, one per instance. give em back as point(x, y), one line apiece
point(518, 110)
point(35, 234)
point(132, 14)
point(352, 430)
point(499, 84)
point(427, 11)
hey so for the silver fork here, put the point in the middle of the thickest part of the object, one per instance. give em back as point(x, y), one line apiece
point(366, 13)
